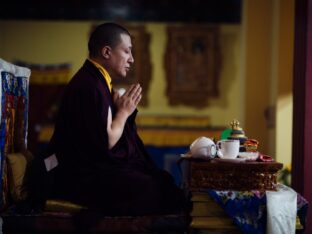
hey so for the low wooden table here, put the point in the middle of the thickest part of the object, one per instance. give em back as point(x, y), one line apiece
point(226, 175)
point(199, 174)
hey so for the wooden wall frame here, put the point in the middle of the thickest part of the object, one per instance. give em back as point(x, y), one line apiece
point(141, 69)
point(192, 63)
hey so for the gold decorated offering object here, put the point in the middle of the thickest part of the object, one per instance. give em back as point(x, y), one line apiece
point(237, 133)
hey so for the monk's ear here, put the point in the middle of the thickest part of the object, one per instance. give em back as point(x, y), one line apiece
point(106, 51)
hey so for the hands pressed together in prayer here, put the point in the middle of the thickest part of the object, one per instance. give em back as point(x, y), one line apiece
point(128, 102)
point(125, 105)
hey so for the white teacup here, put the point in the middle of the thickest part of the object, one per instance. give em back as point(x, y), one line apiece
point(228, 148)
point(203, 147)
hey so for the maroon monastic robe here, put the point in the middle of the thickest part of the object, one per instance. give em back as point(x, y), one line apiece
point(120, 181)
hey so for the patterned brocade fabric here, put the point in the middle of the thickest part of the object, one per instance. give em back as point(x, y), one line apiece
point(248, 209)
point(13, 117)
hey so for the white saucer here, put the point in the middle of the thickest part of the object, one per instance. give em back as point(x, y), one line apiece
point(186, 155)
point(236, 160)
point(249, 155)
point(189, 155)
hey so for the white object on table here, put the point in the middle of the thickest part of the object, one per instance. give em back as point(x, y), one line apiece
point(281, 210)
point(203, 147)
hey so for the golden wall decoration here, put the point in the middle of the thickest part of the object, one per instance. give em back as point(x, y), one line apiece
point(192, 64)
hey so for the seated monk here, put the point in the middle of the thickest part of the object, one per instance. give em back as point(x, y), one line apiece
point(101, 161)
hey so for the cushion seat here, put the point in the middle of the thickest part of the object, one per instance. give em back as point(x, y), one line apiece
point(55, 205)
point(89, 222)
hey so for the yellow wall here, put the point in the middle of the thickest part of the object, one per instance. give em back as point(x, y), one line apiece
point(284, 105)
point(57, 42)
point(258, 68)
point(269, 32)
point(44, 42)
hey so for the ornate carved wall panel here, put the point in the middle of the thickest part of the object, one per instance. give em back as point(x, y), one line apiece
point(192, 64)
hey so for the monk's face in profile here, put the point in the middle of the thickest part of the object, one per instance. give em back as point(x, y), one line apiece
point(121, 57)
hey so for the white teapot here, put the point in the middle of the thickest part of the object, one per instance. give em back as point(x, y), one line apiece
point(203, 147)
